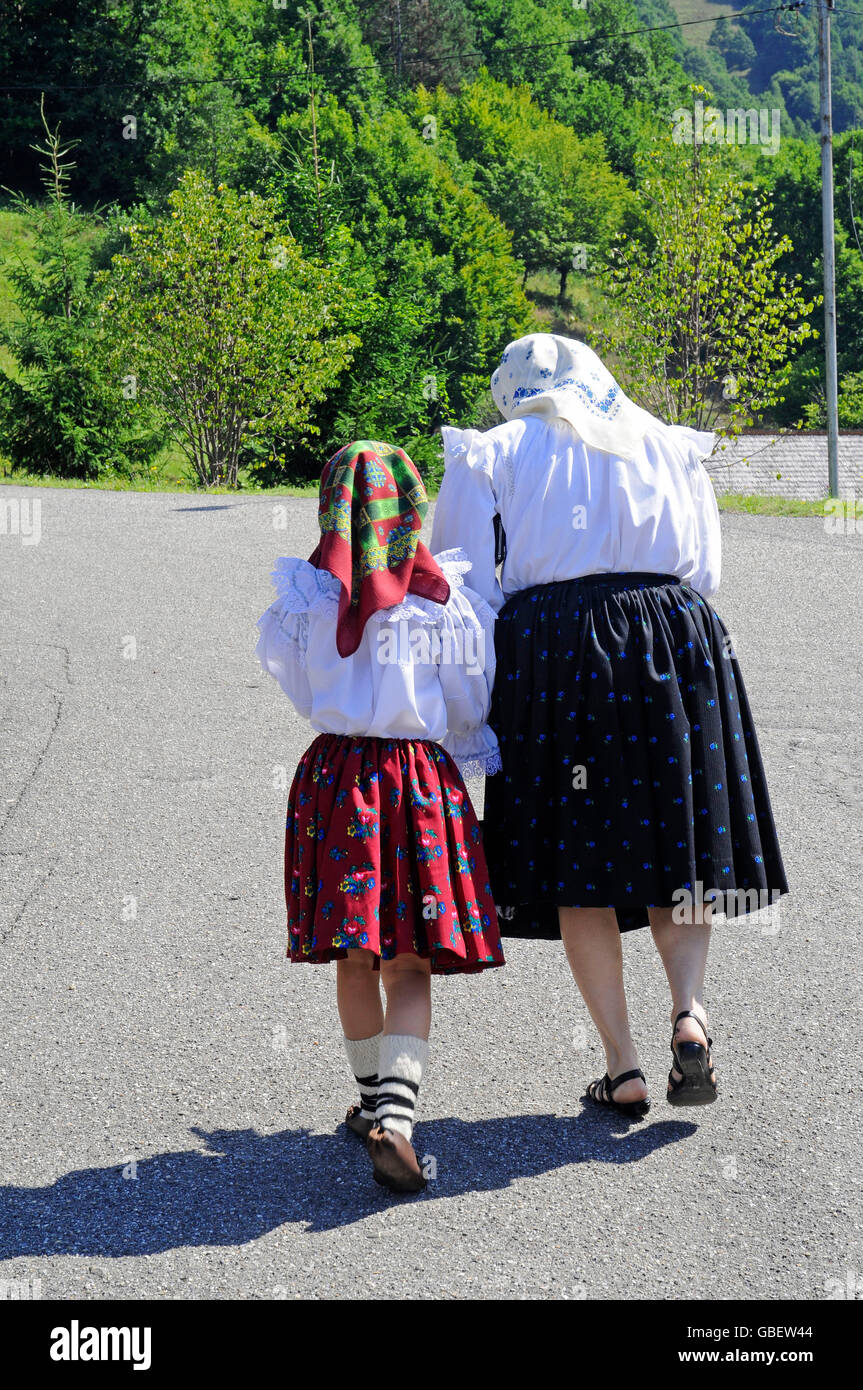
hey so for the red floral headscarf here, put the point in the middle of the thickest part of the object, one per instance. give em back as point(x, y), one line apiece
point(372, 504)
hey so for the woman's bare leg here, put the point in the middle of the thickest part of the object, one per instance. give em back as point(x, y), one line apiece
point(683, 947)
point(592, 942)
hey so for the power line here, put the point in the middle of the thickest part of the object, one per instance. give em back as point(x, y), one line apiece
point(297, 74)
point(794, 5)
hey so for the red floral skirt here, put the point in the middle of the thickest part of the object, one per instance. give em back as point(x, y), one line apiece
point(383, 853)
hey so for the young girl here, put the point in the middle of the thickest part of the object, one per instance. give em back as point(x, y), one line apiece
point(391, 657)
point(632, 786)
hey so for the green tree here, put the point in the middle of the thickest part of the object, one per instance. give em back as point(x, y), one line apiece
point(526, 41)
point(553, 189)
point(436, 289)
point(733, 43)
point(61, 411)
point(223, 324)
point(397, 385)
point(346, 64)
point(623, 82)
point(92, 60)
point(850, 404)
point(792, 181)
point(700, 318)
point(421, 41)
point(151, 87)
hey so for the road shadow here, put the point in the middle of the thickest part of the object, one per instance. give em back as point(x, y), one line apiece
point(247, 1184)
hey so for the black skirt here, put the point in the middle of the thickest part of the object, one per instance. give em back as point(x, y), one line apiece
point(631, 767)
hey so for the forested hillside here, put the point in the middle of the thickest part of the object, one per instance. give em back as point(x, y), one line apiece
point(437, 177)
point(770, 56)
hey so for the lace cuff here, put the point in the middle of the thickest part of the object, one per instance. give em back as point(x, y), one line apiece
point(301, 587)
point(455, 566)
point(476, 753)
point(419, 612)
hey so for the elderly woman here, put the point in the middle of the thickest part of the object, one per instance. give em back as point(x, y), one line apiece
point(632, 788)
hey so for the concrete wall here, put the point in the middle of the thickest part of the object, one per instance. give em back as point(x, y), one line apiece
point(792, 465)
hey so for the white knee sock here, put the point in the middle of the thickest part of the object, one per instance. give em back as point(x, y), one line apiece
point(400, 1068)
point(363, 1062)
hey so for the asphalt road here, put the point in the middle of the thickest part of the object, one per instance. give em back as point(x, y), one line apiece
point(170, 1085)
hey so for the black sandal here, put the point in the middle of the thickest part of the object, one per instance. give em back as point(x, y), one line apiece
point(601, 1091)
point(694, 1061)
point(356, 1122)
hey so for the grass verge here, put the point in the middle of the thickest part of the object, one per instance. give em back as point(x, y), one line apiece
point(728, 501)
point(758, 505)
point(13, 478)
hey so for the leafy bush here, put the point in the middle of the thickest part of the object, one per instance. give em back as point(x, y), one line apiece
point(700, 316)
point(62, 411)
point(222, 325)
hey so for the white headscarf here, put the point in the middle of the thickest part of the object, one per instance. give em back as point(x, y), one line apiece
point(545, 374)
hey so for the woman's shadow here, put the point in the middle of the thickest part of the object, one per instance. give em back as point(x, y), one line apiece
point(248, 1184)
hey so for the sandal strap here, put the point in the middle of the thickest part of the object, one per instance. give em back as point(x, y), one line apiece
point(625, 1076)
point(687, 1013)
point(601, 1089)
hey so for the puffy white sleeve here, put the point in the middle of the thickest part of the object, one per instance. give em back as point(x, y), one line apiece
point(707, 572)
point(466, 506)
point(284, 628)
point(467, 666)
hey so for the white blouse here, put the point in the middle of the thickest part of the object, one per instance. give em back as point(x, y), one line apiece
point(568, 510)
point(422, 670)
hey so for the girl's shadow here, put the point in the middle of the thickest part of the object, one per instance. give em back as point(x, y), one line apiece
point(249, 1183)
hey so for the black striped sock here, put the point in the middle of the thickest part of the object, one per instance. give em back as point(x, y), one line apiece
point(400, 1070)
point(363, 1062)
point(368, 1095)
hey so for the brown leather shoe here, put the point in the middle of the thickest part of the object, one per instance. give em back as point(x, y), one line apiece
point(394, 1160)
point(358, 1124)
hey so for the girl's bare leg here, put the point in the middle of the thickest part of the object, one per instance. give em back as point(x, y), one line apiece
point(407, 981)
point(592, 942)
point(358, 993)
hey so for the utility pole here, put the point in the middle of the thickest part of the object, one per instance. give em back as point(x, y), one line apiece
point(825, 8)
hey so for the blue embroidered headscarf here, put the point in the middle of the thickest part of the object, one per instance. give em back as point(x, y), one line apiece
point(545, 374)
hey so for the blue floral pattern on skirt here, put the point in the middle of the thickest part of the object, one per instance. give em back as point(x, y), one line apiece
point(631, 767)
